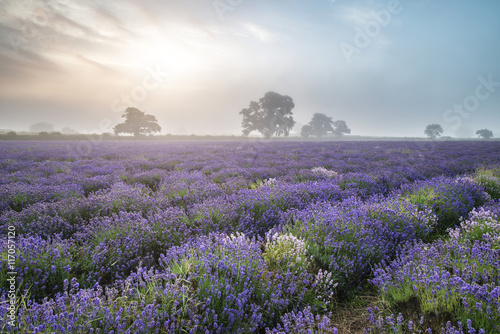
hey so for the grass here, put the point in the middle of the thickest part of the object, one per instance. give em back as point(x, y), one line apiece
point(350, 317)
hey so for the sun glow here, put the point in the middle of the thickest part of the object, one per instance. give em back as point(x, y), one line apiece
point(175, 49)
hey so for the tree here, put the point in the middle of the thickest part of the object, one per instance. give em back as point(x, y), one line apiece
point(137, 123)
point(340, 128)
point(306, 131)
point(433, 131)
point(484, 133)
point(321, 125)
point(272, 115)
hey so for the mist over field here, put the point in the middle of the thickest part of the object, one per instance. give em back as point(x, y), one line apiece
point(387, 68)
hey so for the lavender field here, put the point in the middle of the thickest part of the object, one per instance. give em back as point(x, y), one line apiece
point(244, 237)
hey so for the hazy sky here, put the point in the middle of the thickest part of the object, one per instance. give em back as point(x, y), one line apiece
point(385, 67)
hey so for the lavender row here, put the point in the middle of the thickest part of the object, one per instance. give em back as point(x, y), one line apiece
point(31, 164)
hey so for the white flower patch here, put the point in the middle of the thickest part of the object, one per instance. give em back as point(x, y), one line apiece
point(269, 182)
point(286, 248)
point(480, 218)
point(324, 172)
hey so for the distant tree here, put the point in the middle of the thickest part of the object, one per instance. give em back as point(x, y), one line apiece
point(137, 123)
point(433, 131)
point(11, 134)
point(42, 127)
point(484, 133)
point(340, 128)
point(321, 125)
point(272, 115)
point(306, 131)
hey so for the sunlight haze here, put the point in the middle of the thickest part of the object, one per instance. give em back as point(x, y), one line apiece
point(387, 68)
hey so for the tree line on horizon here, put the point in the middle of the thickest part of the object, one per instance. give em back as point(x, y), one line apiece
point(270, 116)
point(434, 131)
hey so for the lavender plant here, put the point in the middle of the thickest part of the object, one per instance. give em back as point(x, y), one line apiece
point(450, 199)
point(41, 266)
point(489, 179)
point(348, 238)
point(454, 280)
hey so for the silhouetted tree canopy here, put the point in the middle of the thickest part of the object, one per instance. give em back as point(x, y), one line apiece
point(272, 115)
point(340, 128)
point(484, 133)
point(320, 125)
point(306, 131)
point(433, 131)
point(137, 123)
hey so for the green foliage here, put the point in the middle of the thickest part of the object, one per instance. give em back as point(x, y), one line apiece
point(286, 252)
point(450, 200)
point(489, 179)
point(428, 197)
